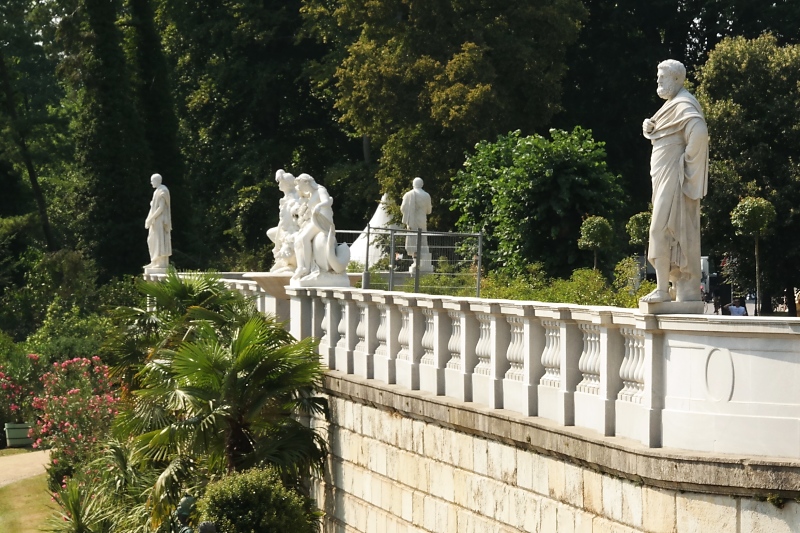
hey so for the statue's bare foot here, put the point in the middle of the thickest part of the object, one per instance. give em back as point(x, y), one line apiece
point(300, 273)
point(656, 296)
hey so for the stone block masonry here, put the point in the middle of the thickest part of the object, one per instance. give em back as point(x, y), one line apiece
point(408, 461)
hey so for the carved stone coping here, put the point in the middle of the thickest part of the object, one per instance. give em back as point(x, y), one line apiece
point(404, 300)
point(596, 315)
point(431, 302)
point(658, 467)
point(518, 309)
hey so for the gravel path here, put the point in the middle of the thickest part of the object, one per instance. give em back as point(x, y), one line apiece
point(22, 465)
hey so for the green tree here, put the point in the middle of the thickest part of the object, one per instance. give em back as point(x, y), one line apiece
point(752, 217)
point(529, 196)
point(28, 89)
point(425, 80)
point(638, 228)
point(750, 91)
point(596, 234)
point(111, 155)
point(153, 94)
point(610, 84)
point(245, 109)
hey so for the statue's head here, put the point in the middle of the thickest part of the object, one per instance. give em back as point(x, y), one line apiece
point(155, 180)
point(418, 183)
point(285, 181)
point(671, 75)
point(305, 183)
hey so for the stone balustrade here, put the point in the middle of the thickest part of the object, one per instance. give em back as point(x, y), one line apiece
point(696, 382)
point(703, 383)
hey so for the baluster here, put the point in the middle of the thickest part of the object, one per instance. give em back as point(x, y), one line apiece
point(484, 348)
point(454, 344)
point(516, 354)
point(427, 338)
point(550, 356)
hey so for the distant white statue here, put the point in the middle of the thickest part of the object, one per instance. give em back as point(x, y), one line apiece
point(320, 261)
point(679, 172)
point(159, 225)
point(416, 207)
point(283, 235)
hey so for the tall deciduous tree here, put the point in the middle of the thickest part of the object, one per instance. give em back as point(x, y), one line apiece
point(246, 109)
point(425, 80)
point(27, 88)
point(750, 90)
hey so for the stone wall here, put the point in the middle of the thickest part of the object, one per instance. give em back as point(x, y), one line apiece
point(404, 461)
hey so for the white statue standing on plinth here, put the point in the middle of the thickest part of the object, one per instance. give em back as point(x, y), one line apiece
point(679, 172)
point(159, 226)
point(320, 261)
point(416, 207)
point(284, 233)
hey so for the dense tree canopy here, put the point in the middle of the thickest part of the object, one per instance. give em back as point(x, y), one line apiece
point(96, 95)
point(750, 90)
point(425, 80)
point(529, 196)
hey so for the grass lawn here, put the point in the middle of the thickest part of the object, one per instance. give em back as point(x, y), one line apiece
point(25, 505)
point(14, 451)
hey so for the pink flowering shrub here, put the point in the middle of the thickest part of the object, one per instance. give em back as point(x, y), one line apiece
point(74, 411)
point(11, 397)
point(19, 382)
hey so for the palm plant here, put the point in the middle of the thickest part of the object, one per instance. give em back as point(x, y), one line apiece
point(164, 322)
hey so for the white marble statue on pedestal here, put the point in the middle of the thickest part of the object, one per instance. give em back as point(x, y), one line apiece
point(284, 233)
point(159, 226)
point(679, 172)
point(320, 261)
point(416, 207)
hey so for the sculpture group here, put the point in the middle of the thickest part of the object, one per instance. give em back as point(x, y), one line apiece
point(305, 237)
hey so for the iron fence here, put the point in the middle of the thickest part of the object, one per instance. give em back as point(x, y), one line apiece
point(429, 262)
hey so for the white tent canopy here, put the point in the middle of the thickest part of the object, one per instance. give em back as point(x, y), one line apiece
point(381, 219)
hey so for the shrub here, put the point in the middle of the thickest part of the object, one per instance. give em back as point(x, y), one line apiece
point(256, 500)
point(75, 410)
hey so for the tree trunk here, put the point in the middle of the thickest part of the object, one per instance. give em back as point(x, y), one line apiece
point(791, 307)
point(758, 280)
point(365, 146)
point(22, 144)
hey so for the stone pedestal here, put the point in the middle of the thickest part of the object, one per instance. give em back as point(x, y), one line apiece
point(671, 308)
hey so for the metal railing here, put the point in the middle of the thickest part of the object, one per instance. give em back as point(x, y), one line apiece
point(430, 262)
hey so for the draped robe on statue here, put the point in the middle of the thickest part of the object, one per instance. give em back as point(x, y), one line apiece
point(679, 172)
point(159, 224)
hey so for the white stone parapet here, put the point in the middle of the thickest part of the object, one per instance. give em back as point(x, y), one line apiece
point(696, 382)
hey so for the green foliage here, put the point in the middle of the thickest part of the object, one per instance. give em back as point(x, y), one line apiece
point(245, 110)
point(424, 90)
point(638, 228)
point(584, 286)
point(81, 510)
point(750, 91)
point(529, 195)
point(256, 500)
point(218, 387)
point(596, 234)
point(753, 217)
